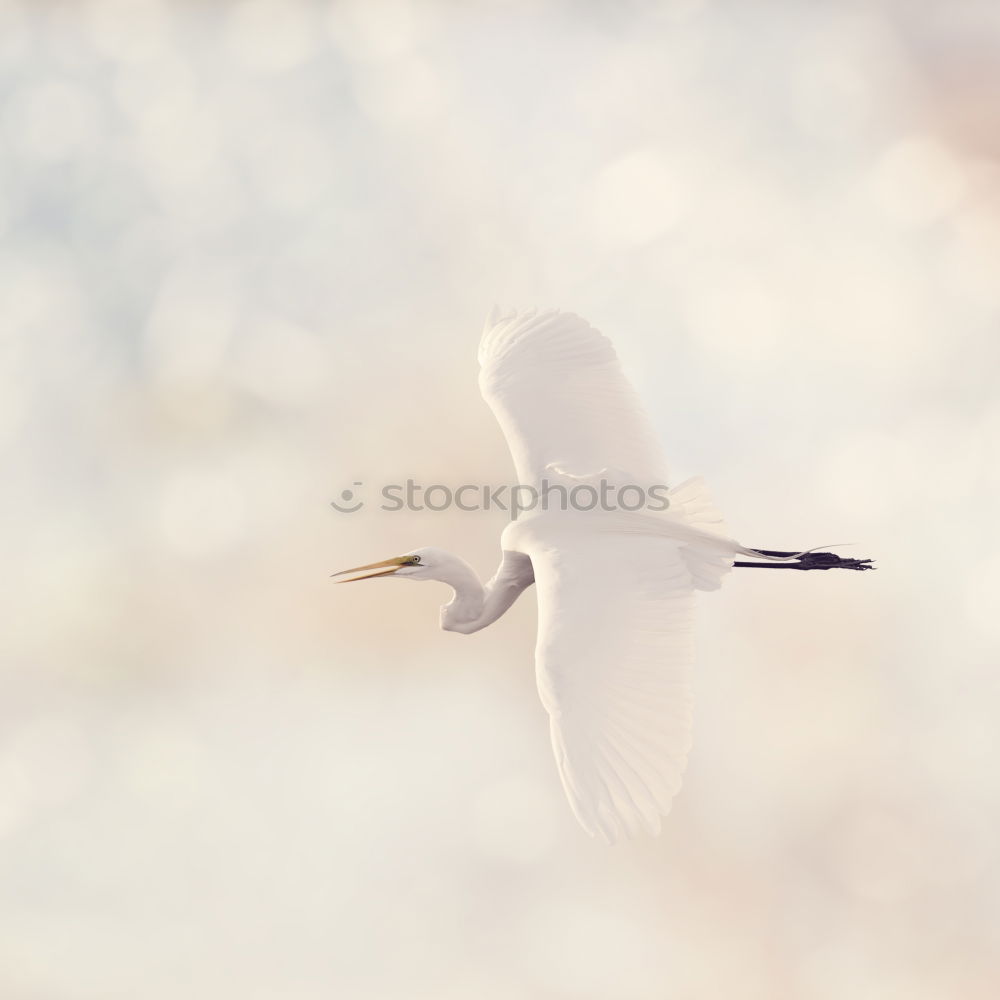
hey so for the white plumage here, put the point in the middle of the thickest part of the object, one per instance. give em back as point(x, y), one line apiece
point(615, 586)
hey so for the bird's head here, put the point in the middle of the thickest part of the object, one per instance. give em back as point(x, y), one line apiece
point(420, 564)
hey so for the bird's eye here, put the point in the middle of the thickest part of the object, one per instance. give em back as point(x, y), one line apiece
point(414, 559)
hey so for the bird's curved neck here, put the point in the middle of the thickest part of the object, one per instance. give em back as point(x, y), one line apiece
point(473, 605)
point(469, 594)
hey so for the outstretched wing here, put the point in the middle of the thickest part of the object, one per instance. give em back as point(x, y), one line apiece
point(562, 401)
point(615, 590)
point(613, 664)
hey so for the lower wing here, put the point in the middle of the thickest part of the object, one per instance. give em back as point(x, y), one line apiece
point(613, 664)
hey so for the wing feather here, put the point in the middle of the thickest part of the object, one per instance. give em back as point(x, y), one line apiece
point(559, 394)
point(613, 664)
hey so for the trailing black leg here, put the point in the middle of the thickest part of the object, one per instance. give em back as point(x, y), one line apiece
point(808, 560)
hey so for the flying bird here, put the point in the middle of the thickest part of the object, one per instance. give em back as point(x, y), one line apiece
point(615, 586)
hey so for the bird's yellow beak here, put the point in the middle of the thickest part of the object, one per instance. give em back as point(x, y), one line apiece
point(395, 563)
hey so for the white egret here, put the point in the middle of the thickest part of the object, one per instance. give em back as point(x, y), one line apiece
point(615, 586)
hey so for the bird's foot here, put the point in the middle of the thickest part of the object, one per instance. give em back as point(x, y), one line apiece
point(830, 560)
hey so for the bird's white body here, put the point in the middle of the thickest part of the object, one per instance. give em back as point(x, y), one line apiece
point(615, 587)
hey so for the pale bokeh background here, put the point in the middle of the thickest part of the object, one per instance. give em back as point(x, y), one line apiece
point(246, 252)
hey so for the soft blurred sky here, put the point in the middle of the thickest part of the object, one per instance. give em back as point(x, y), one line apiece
point(245, 253)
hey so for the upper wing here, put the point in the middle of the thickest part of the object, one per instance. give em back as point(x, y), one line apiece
point(559, 394)
point(613, 662)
